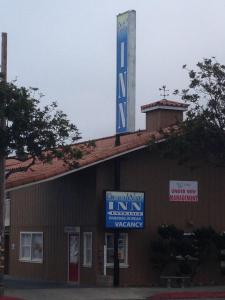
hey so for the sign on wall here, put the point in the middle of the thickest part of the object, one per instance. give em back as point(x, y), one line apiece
point(126, 70)
point(186, 191)
point(124, 209)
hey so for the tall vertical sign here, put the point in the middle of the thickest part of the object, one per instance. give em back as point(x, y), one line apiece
point(3, 78)
point(126, 72)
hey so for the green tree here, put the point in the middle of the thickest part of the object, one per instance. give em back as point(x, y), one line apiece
point(201, 137)
point(29, 133)
point(33, 133)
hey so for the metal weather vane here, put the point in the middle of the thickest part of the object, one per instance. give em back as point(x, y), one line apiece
point(164, 91)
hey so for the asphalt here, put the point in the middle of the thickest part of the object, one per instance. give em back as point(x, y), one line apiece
point(34, 290)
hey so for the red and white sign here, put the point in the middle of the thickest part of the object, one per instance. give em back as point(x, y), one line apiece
point(183, 191)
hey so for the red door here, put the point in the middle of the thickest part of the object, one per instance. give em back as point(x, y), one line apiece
point(74, 254)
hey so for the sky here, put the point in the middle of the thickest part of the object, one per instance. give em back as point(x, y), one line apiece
point(67, 49)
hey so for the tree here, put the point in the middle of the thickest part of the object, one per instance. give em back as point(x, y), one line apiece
point(33, 133)
point(175, 253)
point(201, 137)
point(29, 133)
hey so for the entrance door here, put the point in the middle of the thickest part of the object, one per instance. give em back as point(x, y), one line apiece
point(74, 256)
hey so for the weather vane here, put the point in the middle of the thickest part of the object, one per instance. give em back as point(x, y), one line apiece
point(164, 90)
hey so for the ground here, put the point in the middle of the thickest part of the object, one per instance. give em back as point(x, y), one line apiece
point(34, 290)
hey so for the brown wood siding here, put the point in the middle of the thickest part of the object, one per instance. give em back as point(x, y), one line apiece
point(161, 118)
point(77, 200)
point(143, 171)
point(147, 172)
point(49, 207)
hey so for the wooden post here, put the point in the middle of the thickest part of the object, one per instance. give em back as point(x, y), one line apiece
point(2, 162)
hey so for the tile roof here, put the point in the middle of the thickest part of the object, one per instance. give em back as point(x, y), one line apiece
point(164, 103)
point(104, 149)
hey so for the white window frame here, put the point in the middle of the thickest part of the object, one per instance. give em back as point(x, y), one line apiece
point(85, 235)
point(125, 263)
point(30, 259)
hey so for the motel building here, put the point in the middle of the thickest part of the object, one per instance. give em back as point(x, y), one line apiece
point(60, 222)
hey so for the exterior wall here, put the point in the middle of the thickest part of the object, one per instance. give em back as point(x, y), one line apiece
point(104, 181)
point(162, 118)
point(49, 207)
point(146, 172)
point(77, 200)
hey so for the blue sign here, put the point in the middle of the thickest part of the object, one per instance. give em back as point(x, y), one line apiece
point(121, 86)
point(124, 210)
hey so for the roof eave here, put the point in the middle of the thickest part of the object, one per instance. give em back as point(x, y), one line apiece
point(147, 109)
point(74, 170)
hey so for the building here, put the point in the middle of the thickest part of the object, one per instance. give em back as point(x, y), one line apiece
point(57, 231)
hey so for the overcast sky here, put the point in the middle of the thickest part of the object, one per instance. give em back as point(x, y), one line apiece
point(67, 48)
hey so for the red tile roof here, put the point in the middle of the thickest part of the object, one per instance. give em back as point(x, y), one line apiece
point(105, 149)
point(164, 103)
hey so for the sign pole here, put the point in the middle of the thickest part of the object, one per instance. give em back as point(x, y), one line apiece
point(125, 99)
point(116, 277)
point(2, 161)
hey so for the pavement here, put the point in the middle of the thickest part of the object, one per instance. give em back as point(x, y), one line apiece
point(34, 290)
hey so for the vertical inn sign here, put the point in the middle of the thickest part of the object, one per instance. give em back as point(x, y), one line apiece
point(125, 75)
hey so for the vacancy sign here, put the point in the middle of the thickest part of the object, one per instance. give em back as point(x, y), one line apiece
point(124, 209)
point(183, 191)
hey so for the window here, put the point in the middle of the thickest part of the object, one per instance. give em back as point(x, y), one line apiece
point(122, 249)
point(31, 246)
point(87, 257)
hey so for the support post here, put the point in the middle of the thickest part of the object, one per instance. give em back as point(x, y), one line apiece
point(116, 277)
point(117, 140)
point(2, 160)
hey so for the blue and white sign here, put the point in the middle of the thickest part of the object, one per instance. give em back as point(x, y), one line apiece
point(124, 210)
point(125, 86)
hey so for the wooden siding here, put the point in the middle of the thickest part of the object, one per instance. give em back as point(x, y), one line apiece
point(77, 200)
point(146, 172)
point(49, 207)
point(162, 118)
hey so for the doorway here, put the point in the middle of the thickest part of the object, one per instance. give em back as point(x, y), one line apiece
point(74, 257)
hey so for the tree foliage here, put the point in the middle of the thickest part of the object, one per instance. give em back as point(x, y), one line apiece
point(33, 133)
point(201, 137)
point(187, 252)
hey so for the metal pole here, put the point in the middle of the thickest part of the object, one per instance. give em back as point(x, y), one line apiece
point(117, 140)
point(2, 161)
point(116, 277)
point(4, 57)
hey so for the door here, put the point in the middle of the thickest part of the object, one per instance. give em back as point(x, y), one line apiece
point(74, 257)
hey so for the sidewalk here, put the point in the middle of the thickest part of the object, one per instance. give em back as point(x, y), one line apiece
point(103, 293)
point(38, 290)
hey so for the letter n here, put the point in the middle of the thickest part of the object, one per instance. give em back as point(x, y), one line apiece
point(122, 85)
point(122, 114)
